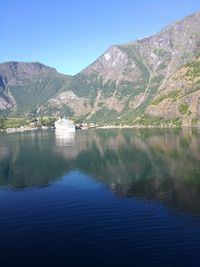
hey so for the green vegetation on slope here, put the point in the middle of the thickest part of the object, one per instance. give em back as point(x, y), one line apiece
point(193, 69)
point(33, 93)
point(173, 95)
point(134, 54)
point(16, 122)
point(147, 120)
point(183, 108)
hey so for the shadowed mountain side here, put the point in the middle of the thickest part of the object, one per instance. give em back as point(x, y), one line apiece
point(25, 87)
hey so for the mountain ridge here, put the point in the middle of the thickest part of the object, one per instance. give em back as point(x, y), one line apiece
point(120, 85)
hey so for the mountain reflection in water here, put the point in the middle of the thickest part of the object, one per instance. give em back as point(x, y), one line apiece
point(147, 163)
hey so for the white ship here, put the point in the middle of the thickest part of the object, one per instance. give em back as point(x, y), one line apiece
point(65, 125)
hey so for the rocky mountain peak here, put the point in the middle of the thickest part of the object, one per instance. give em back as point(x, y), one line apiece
point(13, 69)
point(110, 65)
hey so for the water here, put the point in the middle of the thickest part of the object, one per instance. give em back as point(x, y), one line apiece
point(100, 198)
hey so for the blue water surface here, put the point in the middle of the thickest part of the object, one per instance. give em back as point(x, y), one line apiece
point(100, 198)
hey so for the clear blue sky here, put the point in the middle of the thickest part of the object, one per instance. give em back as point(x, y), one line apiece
point(69, 35)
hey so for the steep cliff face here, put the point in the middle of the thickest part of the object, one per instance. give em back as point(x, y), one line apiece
point(6, 100)
point(142, 82)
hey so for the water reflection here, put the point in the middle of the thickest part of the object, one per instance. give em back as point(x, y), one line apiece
point(64, 138)
point(159, 164)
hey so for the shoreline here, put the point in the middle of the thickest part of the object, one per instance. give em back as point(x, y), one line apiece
point(24, 129)
point(107, 127)
point(144, 127)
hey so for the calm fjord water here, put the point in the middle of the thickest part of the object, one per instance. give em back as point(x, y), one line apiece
point(100, 198)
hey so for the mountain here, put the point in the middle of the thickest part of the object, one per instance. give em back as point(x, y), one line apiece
point(154, 80)
point(179, 100)
point(24, 87)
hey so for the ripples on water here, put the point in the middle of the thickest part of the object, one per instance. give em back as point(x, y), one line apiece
point(100, 198)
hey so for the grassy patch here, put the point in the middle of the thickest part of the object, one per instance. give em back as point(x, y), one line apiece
point(195, 121)
point(173, 95)
point(183, 108)
point(104, 115)
point(176, 122)
point(8, 122)
point(194, 70)
point(12, 122)
point(148, 120)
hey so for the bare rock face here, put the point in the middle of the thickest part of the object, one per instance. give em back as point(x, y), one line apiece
point(113, 65)
point(78, 105)
point(173, 46)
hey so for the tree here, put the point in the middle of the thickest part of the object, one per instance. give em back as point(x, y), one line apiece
point(2, 122)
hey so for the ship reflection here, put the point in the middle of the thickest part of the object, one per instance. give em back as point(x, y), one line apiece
point(64, 138)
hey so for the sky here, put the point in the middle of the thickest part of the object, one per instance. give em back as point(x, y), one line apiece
point(70, 35)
